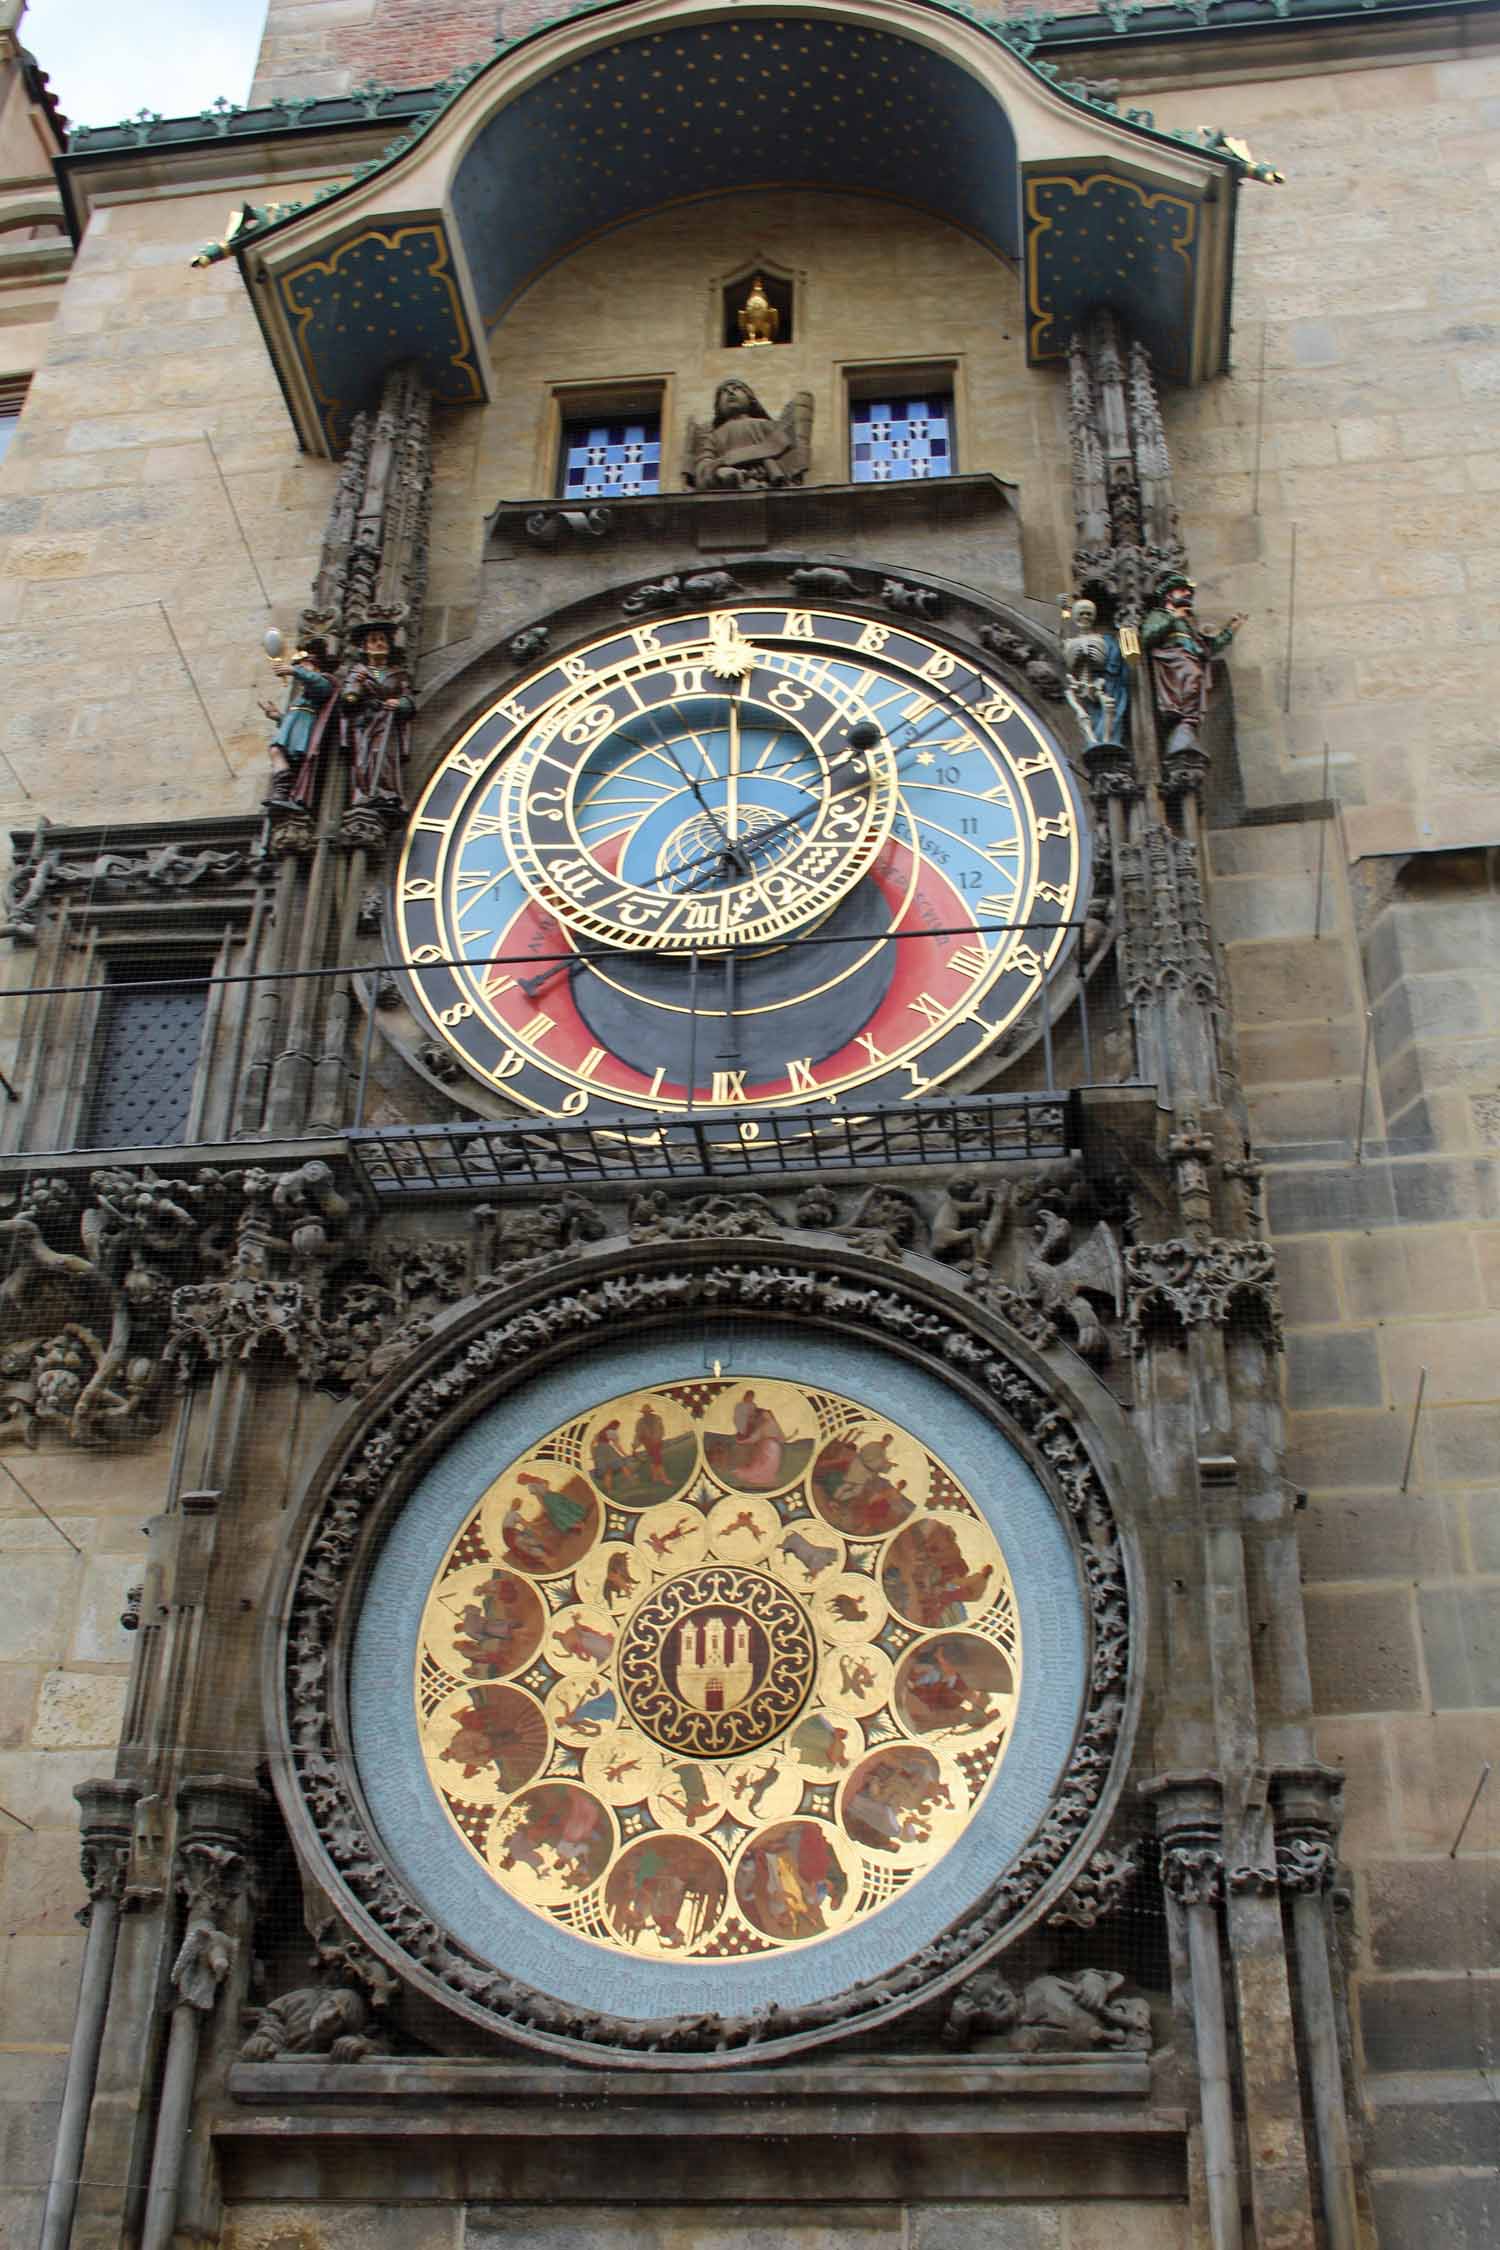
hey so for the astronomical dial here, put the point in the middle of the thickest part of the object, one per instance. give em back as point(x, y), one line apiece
point(749, 857)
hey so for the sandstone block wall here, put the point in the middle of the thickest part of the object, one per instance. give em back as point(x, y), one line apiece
point(328, 46)
point(153, 489)
point(64, 1661)
point(1367, 290)
point(1366, 282)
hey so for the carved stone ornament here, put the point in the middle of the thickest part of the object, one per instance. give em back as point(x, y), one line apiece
point(339, 2016)
point(106, 1819)
point(86, 1304)
point(165, 871)
point(215, 1873)
point(1193, 1873)
point(680, 593)
point(1168, 946)
point(1306, 1863)
point(1188, 1283)
point(910, 601)
point(498, 1345)
point(745, 449)
point(1096, 1893)
point(1251, 1882)
point(1082, 2013)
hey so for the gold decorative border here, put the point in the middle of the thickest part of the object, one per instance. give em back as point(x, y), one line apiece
point(392, 237)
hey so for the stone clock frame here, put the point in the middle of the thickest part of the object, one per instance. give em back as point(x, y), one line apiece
point(1066, 1426)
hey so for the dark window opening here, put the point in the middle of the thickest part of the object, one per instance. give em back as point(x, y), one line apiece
point(12, 399)
point(146, 1054)
point(778, 295)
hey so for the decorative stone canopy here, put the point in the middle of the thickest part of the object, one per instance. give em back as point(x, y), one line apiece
point(621, 109)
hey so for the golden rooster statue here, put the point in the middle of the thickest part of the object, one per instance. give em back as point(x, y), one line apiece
point(760, 322)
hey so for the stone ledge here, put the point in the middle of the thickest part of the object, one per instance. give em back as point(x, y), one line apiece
point(846, 2098)
point(722, 522)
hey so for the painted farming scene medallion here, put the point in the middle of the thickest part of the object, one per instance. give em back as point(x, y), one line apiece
point(718, 1669)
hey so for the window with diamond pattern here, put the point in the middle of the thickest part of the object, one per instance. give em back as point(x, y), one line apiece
point(611, 460)
point(894, 439)
point(146, 1058)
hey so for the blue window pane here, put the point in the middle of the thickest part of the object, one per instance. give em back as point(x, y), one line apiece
point(611, 460)
point(895, 439)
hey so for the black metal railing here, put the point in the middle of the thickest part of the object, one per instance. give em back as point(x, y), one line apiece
point(701, 1141)
point(458, 1160)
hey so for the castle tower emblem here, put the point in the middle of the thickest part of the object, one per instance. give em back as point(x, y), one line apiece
point(715, 1671)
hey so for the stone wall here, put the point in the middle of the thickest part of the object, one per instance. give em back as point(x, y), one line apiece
point(327, 46)
point(1380, 318)
point(152, 499)
point(64, 1658)
point(1369, 284)
point(935, 2226)
point(154, 487)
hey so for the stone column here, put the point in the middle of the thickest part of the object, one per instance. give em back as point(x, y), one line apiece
point(214, 1876)
point(1188, 1815)
point(107, 1819)
point(1307, 1801)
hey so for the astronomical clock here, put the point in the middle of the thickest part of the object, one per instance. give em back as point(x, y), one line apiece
point(761, 855)
point(721, 1659)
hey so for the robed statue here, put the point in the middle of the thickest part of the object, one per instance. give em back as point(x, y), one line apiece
point(377, 712)
point(745, 448)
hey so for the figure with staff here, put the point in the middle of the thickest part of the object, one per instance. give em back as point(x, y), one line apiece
point(377, 707)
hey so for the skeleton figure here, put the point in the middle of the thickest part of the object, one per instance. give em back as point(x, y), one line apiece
point(1096, 684)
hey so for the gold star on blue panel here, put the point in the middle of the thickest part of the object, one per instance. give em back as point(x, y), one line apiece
point(407, 270)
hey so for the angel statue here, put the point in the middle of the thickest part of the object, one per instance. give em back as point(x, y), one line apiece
point(746, 448)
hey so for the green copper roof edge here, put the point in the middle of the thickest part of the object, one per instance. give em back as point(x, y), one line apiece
point(1019, 38)
point(1028, 38)
point(1037, 29)
point(1192, 19)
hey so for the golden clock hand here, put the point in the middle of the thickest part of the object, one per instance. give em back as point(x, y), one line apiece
point(732, 802)
point(731, 852)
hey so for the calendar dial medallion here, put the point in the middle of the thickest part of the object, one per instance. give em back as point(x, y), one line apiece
point(756, 857)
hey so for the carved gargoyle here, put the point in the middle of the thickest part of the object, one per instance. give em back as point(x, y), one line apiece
point(337, 2017)
point(1061, 1280)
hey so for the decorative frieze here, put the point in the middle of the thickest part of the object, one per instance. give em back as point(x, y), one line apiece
point(1189, 1284)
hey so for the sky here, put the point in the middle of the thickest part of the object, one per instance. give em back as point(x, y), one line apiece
point(109, 58)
